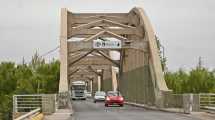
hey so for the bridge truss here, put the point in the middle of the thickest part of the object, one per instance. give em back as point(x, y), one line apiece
point(140, 77)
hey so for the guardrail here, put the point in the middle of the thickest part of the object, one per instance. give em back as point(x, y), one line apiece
point(29, 114)
point(207, 100)
point(26, 103)
point(23, 104)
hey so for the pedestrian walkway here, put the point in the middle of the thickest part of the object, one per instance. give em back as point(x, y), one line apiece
point(60, 114)
point(203, 115)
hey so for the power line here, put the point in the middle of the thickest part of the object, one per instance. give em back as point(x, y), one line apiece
point(45, 54)
point(50, 51)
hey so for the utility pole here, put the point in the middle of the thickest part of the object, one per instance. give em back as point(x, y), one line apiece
point(200, 63)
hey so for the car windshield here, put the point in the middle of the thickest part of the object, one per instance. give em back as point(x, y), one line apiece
point(100, 93)
point(112, 93)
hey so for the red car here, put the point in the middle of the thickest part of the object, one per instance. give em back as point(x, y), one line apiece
point(114, 98)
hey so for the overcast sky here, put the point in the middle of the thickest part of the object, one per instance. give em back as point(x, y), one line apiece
point(185, 27)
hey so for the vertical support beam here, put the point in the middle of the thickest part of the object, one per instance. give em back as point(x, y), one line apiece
point(188, 103)
point(94, 85)
point(102, 80)
point(87, 85)
point(91, 86)
point(114, 79)
point(14, 106)
point(63, 85)
point(99, 83)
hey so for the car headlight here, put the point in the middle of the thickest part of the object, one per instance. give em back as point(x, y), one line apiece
point(121, 99)
point(107, 98)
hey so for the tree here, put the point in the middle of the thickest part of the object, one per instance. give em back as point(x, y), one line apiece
point(198, 80)
point(25, 79)
point(161, 54)
point(176, 80)
point(201, 81)
point(7, 86)
point(25, 82)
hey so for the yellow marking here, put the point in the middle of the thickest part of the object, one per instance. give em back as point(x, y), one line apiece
point(38, 117)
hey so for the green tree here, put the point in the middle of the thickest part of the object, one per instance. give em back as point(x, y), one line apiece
point(7, 86)
point(35, 77)
point(176, 80)
point(198, 80)
point(25, 81)
point(201, 81)
point(7, 78)
point(48, 76)
point(161, 54)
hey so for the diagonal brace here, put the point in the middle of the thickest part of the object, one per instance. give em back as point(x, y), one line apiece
point(74, 72)
point(97, 73)
point(75, 61)
point(108, 58)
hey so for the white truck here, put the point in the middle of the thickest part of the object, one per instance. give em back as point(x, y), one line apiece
point(78, 90)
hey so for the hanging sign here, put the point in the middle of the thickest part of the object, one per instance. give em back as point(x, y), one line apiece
point(107, 44)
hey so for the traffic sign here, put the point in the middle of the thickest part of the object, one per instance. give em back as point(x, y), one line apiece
point(107, 44)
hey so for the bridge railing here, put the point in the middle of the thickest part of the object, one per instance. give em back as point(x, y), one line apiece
point(26, 103)
point(207, 100)
point(23, 104)
point(174, 101)
point(192, 102)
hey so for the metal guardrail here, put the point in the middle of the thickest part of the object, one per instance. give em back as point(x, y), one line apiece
point(23, 104)
point(207, 100)
point(26, 103)
point(29, 114)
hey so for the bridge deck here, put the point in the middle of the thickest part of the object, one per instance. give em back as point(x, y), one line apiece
point(87, 110)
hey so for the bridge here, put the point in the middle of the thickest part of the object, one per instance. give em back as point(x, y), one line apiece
point(88, 42)
point(139, 64)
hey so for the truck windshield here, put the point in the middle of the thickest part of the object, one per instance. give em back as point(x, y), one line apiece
point(78, 87)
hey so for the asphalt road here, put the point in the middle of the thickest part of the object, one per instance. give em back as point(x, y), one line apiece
point(87, 110)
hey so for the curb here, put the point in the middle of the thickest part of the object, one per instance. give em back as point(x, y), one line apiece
point(153, 108)
point(71, 109)
point(209, 110)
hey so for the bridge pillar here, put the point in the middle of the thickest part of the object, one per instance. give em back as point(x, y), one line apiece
point(63, 85)
point(99, 83)
point(107, 80)
point(114, 79)
point(102, 80)
point(91, 86)
point(63, 98)
point(95, 85)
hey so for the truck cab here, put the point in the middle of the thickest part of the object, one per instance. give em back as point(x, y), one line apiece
point(78, 90)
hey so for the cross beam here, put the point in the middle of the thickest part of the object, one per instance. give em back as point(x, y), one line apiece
point(88, 45)
point(92, 60)
point(120, 31)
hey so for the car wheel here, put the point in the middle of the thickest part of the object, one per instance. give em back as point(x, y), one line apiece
point(121, 105)
point(106, 105)
point(94, 101)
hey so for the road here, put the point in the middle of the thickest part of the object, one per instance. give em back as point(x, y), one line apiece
point(87, 110)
